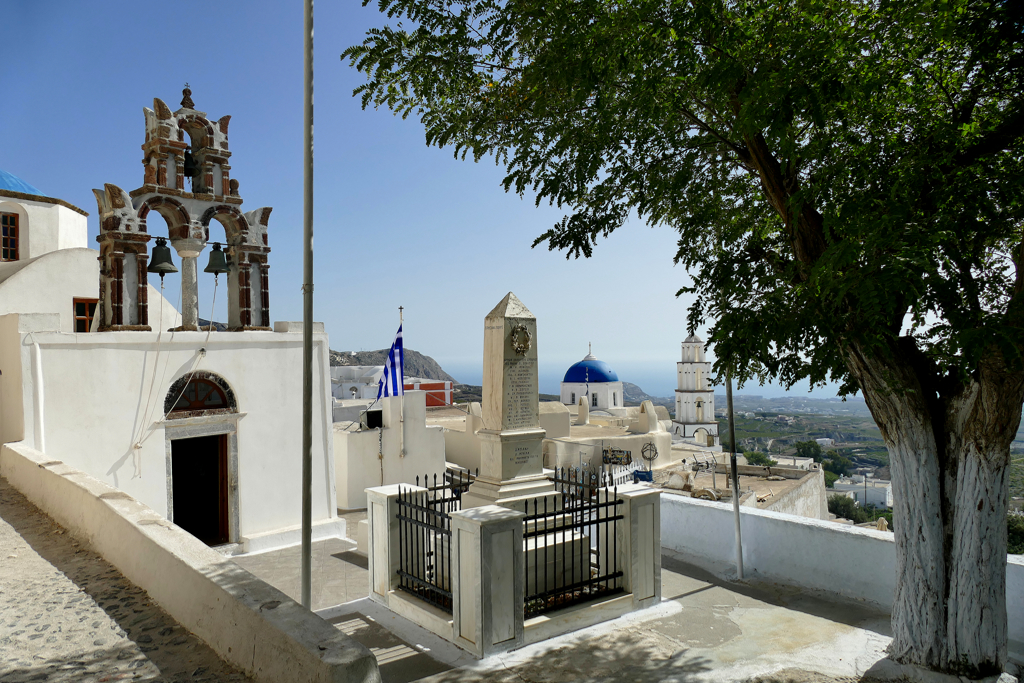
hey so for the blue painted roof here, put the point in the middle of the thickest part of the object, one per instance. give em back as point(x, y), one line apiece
point(590, 370)
point(13, 183)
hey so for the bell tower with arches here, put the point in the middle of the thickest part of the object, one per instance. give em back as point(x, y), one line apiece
point(695, 397)
point(187, 180)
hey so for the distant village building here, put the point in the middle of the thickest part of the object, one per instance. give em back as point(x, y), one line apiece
point(695, 398)
point(362, 382)
point(593, 379)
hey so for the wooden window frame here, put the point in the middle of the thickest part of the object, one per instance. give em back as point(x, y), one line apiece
point(198, 405)
point(16, 237)
point(88, 317)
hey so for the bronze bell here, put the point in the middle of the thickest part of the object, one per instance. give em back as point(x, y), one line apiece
point(190, 170)
point(161, 262)
point(218, 262)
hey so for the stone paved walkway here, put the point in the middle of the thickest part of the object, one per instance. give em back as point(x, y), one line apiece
point(66, 614)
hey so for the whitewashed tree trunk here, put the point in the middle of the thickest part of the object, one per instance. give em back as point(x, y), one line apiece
point(949, 458)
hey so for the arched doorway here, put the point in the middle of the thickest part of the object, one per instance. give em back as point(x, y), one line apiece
point(202, 457)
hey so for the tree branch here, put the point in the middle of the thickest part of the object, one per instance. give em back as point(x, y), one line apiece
point(1001, 137)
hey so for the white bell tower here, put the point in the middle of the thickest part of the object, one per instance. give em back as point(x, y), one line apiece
point(695, 398)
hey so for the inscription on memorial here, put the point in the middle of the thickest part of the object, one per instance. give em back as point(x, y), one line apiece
point(522, 455)
point(520, 393)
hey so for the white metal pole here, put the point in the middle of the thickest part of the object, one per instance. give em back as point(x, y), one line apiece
point(401, 323)
point(735, 478)
point(307, 311)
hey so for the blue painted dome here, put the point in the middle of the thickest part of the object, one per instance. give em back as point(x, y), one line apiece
point(13, 183)
point(590, 370)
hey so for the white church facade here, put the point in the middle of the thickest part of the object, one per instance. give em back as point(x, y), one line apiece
point(695, 397)
point(98, 370)
point(594, 380)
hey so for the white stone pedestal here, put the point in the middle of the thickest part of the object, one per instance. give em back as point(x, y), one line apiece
point(511, 469)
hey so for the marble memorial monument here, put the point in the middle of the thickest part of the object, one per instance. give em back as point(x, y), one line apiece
point(511, 461)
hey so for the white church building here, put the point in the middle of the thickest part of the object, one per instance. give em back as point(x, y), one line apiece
point(98, 370)
point(594, 379)
point(695, 397)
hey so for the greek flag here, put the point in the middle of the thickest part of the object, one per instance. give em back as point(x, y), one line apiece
point(392, 382)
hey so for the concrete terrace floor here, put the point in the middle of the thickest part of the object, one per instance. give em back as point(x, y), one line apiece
point(705, 629)
point(67, 615)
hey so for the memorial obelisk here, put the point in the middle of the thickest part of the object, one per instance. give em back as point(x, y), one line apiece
point(511, 448)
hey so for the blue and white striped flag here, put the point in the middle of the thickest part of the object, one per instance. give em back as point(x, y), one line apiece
point(392, 382)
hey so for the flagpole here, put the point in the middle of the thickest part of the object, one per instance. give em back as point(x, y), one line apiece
point(307, 309)
point(401, 325)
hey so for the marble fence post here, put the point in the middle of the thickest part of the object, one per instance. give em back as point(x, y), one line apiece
point(382, 534)
point(639, 542)
point(488, 579)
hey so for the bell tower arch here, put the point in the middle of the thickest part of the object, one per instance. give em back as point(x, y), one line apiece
point(187, 180)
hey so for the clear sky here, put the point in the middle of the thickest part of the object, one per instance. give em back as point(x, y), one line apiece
point(397, 223)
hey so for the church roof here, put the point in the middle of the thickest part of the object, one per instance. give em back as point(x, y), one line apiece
point(592, 370)
point(12, 183)
point(693, 339)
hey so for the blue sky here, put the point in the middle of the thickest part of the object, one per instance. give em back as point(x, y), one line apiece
point(397, 223)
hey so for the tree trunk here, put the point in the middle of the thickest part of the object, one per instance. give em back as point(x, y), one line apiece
point(949, 446)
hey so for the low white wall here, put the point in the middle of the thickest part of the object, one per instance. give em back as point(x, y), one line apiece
point(851, 562)
point(247, 622)
point(356, 463)
point(807, 499)
point(463, 447)
point(566, 453)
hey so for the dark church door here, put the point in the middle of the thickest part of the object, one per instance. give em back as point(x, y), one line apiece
point(199, 471)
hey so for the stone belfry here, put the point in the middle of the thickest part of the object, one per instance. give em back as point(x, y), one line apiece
point(695, 397)
point(187, 180)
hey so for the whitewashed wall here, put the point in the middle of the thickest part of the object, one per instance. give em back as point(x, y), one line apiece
point(356, 463)
point(49, 284)
point(851, 562)
point(44, 227)
point(104, 392)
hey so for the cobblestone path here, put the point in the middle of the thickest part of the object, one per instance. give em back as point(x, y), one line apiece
point(67, 615)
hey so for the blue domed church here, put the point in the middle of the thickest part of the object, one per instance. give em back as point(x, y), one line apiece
point(595, 380)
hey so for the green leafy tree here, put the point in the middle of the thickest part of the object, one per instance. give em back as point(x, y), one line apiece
point(830, 479)
point(845, 177)
point(838, 465)
point(1015, 533)
point(808, 449)
point(845, 507)
point(759, 459)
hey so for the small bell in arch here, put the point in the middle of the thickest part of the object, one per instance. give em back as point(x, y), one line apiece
point(218, 261)
point(161, 262)
point(190, 170)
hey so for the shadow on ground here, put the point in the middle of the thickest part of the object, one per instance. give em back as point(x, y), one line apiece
point(72, 616)
point(398, 661)
point(849, 613)
point(634, 657)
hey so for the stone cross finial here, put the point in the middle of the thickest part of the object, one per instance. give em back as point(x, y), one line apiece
point(186, 100)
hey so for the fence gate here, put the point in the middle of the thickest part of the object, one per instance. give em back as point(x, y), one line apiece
point(425, 537)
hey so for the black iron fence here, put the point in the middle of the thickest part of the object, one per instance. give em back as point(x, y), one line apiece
point(571, 543)
point(425, 535)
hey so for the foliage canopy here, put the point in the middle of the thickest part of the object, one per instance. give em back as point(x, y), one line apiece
point(839, 171)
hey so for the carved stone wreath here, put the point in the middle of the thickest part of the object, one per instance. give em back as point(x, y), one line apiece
point(521, 340)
